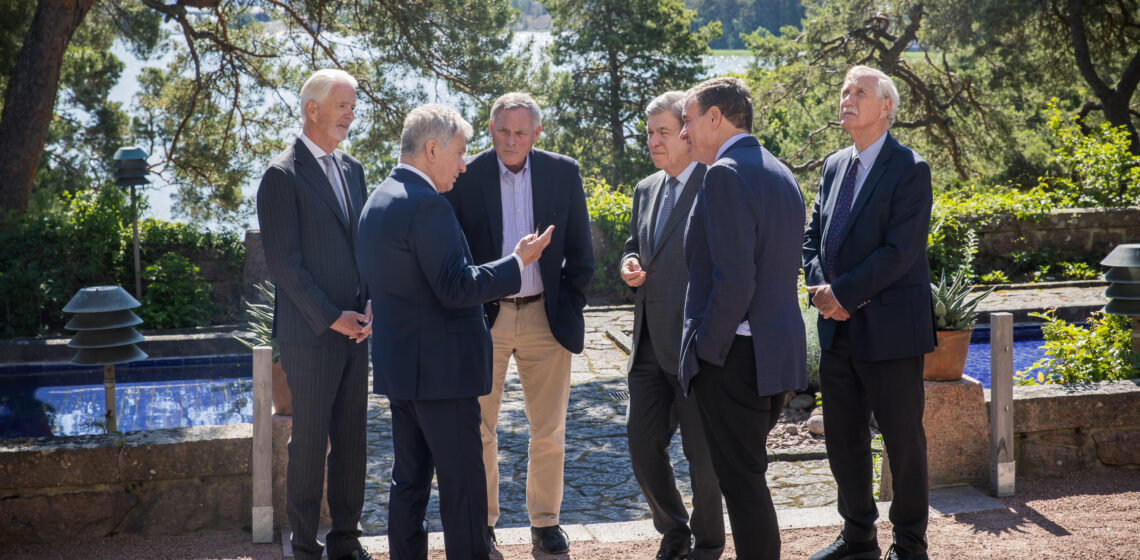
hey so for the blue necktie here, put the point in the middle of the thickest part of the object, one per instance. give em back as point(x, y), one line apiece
point(666, 210)
point(839, 217)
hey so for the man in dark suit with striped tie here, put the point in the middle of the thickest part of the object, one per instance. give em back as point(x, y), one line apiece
point(308, 203)
point(864, 258)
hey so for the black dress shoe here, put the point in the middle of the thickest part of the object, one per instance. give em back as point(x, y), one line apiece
point(358, 554)
point(551, 540)
point(673, 549)
point(893, 553)
point(843, 550)
point(491, 540)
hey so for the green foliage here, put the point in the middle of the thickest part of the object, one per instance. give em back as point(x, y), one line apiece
point(259, 319)
point(953, 304)
point(45, 259)
point(1075, 354)
point(995, 277)
point(158, 237)
point(176, 295)
point(741, 17)
point(617, 55)
point(610, 210)
point(1104, 173)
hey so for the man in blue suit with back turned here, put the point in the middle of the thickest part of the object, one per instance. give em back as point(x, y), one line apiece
point(865, 263)
point(743, 347)
point(432, 351)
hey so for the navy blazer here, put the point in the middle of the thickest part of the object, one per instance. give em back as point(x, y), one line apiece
point(883, 276)
point(742, 247)
point(567, 265)
point(430, 340)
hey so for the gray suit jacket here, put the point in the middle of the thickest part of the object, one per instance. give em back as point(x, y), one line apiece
point(309, 244)
point(659, 303)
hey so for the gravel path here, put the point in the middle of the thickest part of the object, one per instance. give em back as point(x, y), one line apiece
point(1090, 515)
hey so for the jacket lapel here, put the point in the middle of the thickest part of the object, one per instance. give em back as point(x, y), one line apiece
point(313, 176)
point(681, 207)
point(647, 222)
point(493, 197)
point(540, 198)
point(872, 181)
point(842, 159)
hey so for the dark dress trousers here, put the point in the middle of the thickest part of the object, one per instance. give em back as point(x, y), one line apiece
point(308, 242)
point(567, 265)
point(657, 406)
point(742, 248)
point(872, 362)
point(431, 356)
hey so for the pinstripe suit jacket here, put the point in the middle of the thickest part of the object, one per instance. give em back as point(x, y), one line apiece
point(309, 244)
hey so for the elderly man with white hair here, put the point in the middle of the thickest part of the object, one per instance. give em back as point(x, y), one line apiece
point(307, 204)
point(432, 351)
point(865, 264)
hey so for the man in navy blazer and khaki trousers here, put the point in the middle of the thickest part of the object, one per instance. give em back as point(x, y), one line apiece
point(743, 346)
point(507, 193)
point(432, 351)
point(307, 205)
point(864, 258)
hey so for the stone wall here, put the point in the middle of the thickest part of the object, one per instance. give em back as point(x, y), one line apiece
point(1060, 429)
point(1069, 233)
point(162, 482)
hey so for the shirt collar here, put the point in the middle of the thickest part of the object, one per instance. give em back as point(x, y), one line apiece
point(868, 156)
point(418, 172)
point(313, 147)
point(504, 171)
point(724, 147)
point(683, 177)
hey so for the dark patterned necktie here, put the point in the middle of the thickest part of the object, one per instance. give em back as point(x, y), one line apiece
point(666, 210)
point(839, 217)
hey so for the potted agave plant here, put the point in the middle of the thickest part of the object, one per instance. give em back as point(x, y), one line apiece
point(259, 327)
point(954, 317)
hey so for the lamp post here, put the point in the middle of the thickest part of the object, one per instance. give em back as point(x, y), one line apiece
point(1123, 291)
point(131, 169)
point(105, 335)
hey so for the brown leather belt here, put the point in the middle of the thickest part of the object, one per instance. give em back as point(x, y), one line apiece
point(522, 300)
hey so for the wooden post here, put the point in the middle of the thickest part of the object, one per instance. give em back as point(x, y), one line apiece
point(262, 462)
point(1002, 464)
point(135, 239)
point(110, 424)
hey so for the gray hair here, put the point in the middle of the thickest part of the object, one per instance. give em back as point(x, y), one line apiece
point(669, 101)
point(517, 100)
point(431, 122)
point(318, 85)
point(886, 87)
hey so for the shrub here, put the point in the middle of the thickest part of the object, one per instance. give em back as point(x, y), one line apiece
point(176, 295)
point(610, 211)
point(1075, 354)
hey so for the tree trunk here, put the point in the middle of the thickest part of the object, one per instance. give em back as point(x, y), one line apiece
point(30, 98)
point(617, 131)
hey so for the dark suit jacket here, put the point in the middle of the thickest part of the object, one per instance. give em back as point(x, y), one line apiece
point(567, 265)
point(309, 244)
point(742, 247)
point(659, 303)
point(883, 273)
point(430, 340)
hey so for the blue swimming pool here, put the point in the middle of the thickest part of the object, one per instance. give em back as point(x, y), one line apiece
point(65, 400)
point(1027, 341)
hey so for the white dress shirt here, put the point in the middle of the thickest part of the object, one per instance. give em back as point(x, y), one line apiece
point(518, 220)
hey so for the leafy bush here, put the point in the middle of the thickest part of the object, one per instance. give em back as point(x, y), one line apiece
point(609, 210)
point(1075, 354)
point(1104, 172)
point(176, 295)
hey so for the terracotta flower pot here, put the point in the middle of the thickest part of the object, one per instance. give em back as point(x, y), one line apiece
point(282, 398)
point(948, 360)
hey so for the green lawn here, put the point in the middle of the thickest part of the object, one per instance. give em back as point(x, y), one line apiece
point(731, 52)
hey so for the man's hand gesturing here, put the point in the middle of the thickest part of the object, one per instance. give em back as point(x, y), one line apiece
point(530, 248)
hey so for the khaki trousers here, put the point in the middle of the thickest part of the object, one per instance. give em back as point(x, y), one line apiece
point(522, 331)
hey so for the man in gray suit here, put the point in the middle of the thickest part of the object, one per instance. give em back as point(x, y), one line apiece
point(654, 265)
point(308, 204)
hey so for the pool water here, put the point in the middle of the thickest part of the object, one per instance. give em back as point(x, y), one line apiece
point(1027, 341)
point(65, 400)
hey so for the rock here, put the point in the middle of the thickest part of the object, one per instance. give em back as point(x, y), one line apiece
point(802, 401)
point(792, 430)
point(815, 423)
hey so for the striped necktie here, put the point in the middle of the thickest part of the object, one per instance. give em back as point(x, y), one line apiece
point(334, 180)
point(839, 217)
point(667, 203)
